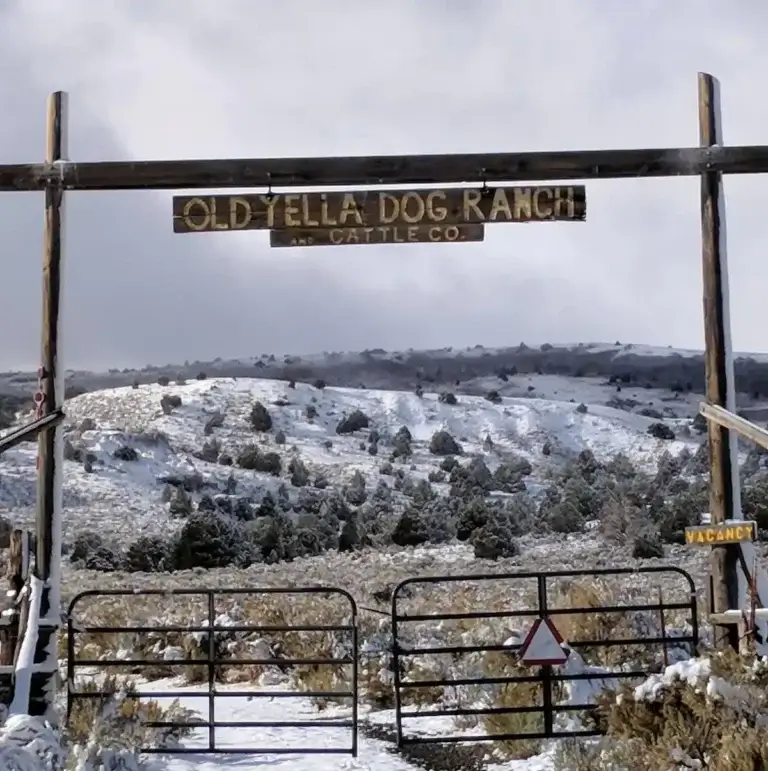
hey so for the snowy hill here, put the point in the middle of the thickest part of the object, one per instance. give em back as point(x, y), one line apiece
point(466, 369)
point(124, 447)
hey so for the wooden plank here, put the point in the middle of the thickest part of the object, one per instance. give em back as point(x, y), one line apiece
point(475, 168)
point(378, 208)
point(714, 535)
point(736, 423)
point(386, 234)
point(30, 431)
point(16, 573)
point(724, 500)
point(51, 392)
point(51, 399)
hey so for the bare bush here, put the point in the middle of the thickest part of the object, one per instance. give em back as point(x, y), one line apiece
point(101, 729)
point(703, 713)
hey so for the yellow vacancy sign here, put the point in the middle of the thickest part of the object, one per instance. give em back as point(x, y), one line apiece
point(714, 535)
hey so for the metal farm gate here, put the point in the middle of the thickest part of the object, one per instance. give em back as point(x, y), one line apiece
point(462, 671)
point(210, 656)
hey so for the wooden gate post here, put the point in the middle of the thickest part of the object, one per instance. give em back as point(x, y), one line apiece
point(16, 573)
point(724, 489)
point(51, 440)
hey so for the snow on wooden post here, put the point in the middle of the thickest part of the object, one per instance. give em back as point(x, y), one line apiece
point(17, 574)
point(50, 399)
point(26, 654)
point(724, 491)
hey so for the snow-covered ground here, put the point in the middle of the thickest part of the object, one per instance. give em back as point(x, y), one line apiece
point(713, 688)
point(26, 744)
point(123, 497)
point(373, 754)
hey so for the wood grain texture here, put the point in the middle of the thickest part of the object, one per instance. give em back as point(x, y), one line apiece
point(50, 440)
point(378, 208)
point(476, 168)
point(722, 501)
point(49, 370)
point(387, 234)
point(16, 573)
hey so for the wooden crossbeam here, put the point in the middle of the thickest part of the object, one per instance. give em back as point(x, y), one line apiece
point(736, 423)
point(385, 169)
point(30, 431)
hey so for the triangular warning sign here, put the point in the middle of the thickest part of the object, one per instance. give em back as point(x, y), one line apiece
point(543, 645)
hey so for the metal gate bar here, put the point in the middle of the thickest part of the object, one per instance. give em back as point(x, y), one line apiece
point(546, 677)
point(211, 661)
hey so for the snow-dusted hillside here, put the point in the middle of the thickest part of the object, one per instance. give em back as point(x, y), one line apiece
point(118, 496)
point(674, 371)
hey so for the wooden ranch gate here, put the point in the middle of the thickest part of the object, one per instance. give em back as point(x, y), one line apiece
point(405, 216)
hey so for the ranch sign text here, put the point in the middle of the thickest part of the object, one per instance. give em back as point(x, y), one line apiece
point(378, 208)
point(386, 234)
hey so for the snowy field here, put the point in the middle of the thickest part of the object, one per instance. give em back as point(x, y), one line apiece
point(23, 741)
point(373, 754)
point(27, 745)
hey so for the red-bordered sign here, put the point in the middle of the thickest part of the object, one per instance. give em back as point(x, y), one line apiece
point(543, 645)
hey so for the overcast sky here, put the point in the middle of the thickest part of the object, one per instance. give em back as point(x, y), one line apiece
point(152, 79)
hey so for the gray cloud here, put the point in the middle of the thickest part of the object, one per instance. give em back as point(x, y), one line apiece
point(238, 78)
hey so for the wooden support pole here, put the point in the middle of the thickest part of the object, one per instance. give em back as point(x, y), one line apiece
point(724, 498)
point(50, 443)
